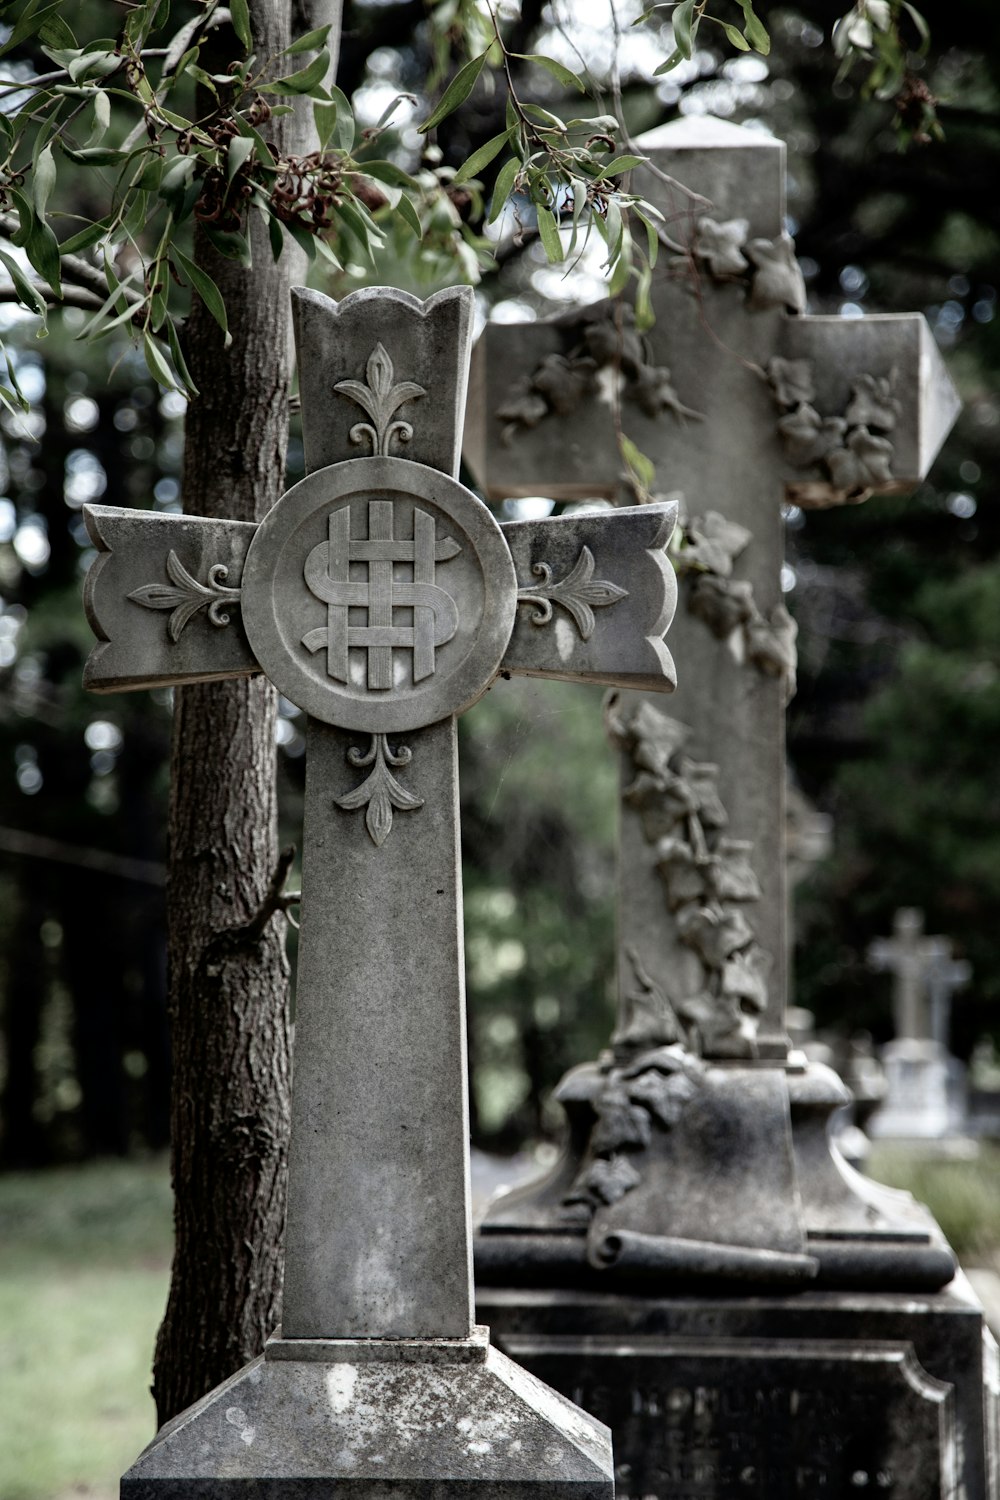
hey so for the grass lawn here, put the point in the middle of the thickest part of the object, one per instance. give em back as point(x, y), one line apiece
point(84, 1263)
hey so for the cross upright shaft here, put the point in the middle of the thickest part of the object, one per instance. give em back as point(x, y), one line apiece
point(377, 1239)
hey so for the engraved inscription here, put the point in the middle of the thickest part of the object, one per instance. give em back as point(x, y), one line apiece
point(790, 1420)
point(328, 576)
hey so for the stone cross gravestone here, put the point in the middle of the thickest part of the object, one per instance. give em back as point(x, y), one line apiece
point(382, 597)
point(697, 1162)
point(926, 1086)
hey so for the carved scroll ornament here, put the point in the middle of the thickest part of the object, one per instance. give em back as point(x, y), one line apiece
point(187, 596)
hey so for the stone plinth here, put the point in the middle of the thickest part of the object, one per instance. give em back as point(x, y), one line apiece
point(371, 1419)
point(926, 1092)
point(772, 1397)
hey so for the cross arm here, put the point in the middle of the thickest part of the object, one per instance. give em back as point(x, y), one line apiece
point(162, 597)
point(596, 595)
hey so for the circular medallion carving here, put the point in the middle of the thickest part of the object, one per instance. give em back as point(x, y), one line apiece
point(379, 595)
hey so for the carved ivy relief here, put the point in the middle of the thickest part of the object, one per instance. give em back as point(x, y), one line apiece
point(706, 548)
point(707, 880)
point(655, 1066)
point(606, 340)
point(767, 267)
point(853, 449)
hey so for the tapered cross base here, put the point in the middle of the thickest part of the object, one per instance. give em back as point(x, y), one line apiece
point(402, 1419)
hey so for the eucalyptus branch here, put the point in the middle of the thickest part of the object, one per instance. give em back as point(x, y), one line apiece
point(74, 268)
point(72, 296)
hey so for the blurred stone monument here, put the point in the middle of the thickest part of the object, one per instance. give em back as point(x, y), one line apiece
point(926, 1087)
point(382, 598)
point(749, 1316)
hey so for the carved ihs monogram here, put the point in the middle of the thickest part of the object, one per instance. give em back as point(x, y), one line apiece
point(327, 573)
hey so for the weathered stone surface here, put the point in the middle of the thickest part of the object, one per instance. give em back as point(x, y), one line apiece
point(416, 1429)
point(379, 595)
point(596, 595)
point(812, 1394)
point(379, 1112)
point(159, 599)
point(742, 403)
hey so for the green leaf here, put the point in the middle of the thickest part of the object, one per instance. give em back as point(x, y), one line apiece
point(156, 364)
point(736, 37)
point(26, 293)
point(409, 215)
point(15, 388)
point(240, 147)
point(29, 20)
point(175, 181)
point(308, 81)
point(481, 158)
point(342, 138)
point(302, 238)
point(97, 156)
point(177, 355)
point(623, 164)
point(671, 62)
point(42, 249)
point(753, 30)
point(456, 93)
point(325, 116)
point(548, 233)
point(239, 12)
point(681, 19)
point(388, 172)
point(159, 291)
point(54, 32)
point(503, 188)
point(652, 238)
point(275, 235)
point(311, 42)
point(622, 267)
point(545, 118)
point(43, 180)
point(565, 76)
point(923, 30)
point(353, 218)
point(206, 289)
point(231, 246)
point(100, 116)
point(84, 238)
point(644, 316)
point(642, 467)
point(97, 64)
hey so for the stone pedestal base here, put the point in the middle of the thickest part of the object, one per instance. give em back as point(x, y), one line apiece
point(814, 1396)
point(377, 1419)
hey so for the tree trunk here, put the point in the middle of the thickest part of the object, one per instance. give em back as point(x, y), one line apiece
point(229, 1001)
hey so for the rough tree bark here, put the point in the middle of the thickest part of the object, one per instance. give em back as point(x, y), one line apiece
point(229, 993)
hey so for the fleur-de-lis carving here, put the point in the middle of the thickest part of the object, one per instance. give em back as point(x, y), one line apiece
point(380, 792)
point(381, 399)
point(188, 596)
point(579, 593)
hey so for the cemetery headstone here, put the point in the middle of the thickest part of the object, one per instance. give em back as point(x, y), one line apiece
point(699, 1259)
point(926, 1089)
point(382, 597)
